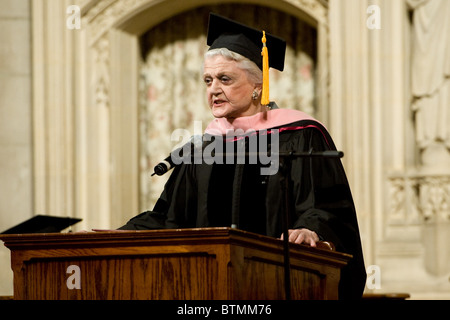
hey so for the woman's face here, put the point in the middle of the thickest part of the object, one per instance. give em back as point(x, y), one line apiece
point(228, 89)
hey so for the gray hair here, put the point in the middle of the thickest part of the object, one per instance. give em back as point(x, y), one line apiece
point(254, 72)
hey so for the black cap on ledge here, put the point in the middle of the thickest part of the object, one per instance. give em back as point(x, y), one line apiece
point(42, 224)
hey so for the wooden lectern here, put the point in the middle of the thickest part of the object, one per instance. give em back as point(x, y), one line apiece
point(201, 263)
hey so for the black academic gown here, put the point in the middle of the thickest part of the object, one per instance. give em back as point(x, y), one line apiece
point(201, 195)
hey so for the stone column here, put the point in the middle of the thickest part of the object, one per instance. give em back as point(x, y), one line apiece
point(16, 145)
point(430, 90)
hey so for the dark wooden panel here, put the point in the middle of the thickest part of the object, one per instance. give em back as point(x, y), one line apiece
point(161, 277)
point(209, 263)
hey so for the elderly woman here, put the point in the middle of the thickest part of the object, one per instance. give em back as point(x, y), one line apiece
point(224, 194)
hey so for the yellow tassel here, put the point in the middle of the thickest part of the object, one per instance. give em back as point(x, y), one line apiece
point(265, 87)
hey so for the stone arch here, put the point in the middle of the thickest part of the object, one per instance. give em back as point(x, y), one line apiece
point(112, 44)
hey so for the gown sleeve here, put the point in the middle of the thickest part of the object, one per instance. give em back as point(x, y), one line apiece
point(175, 208)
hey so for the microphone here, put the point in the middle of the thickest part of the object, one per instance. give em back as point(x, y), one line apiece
point(176, 156)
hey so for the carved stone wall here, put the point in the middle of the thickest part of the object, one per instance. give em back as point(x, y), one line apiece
point(424, 201)
point(401, 200)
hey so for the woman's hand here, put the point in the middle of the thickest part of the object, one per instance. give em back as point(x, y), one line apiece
point(302, 236)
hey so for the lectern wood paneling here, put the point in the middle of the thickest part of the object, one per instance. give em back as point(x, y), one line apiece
point(201, 263)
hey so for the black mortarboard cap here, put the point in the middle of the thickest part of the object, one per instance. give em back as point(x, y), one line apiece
point(42, 224)
point(242, 39)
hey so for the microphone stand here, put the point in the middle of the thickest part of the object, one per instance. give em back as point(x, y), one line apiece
point(285, 168)
point(285, 165)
